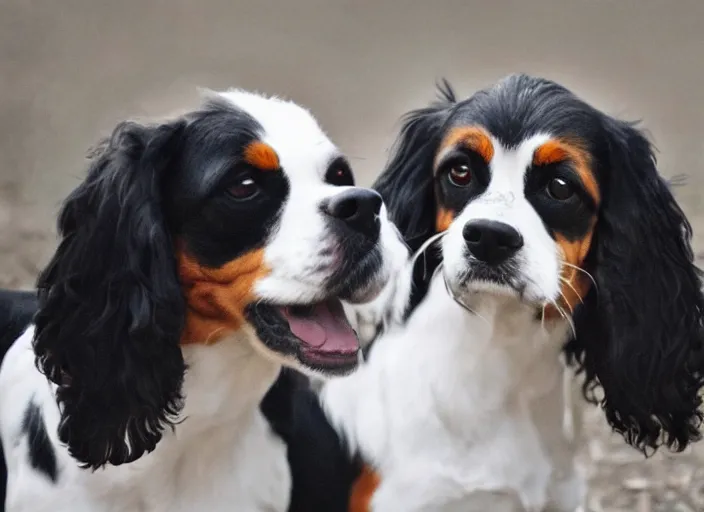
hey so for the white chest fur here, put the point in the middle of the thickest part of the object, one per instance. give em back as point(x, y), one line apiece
point(448, 406)
point(222, 457)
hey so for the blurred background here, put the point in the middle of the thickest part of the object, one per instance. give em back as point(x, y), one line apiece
point(70, 70)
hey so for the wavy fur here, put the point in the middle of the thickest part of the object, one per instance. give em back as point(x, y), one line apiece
point(111, 308)
point(639, 331)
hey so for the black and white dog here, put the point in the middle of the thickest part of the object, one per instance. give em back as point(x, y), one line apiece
point(542, 227)
point(197, 257)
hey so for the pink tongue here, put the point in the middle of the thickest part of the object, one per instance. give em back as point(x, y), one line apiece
point(325, 329)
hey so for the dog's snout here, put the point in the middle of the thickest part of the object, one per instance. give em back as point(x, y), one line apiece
point(358, 208)
point(490, 241)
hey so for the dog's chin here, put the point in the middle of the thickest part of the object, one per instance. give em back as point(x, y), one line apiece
point(315, 338)
point(486, 287)
point(367, 293)
point(491, 282)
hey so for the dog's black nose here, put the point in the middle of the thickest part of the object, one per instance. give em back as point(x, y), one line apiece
point(358, 208)
point(490, 241)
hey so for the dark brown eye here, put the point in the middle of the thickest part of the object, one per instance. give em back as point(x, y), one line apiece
point(244, 189)
point(460, 175)
point(339, 174)
point(559, 189)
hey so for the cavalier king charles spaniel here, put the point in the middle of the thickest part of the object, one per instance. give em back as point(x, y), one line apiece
point(541, 228)
point(197, 258)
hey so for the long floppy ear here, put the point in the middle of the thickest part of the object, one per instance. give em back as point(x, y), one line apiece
point(639, 332)
point(407, 181)
point(111, 308)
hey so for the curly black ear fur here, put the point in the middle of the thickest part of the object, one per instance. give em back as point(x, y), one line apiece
point(407, 181)
point(639, 333)
point(111, 308)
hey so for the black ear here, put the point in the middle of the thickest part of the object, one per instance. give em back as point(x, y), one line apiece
point(639, 331)
point(111, 308)
point(407, 182)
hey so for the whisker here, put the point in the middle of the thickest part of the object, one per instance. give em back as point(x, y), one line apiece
point(569, 283)
point(454, 297)
point(428, 243)
point(561, 311)
point(542, 317)
point(567, 303)
point(572, 327)
point(579, 269)
point(557, 308)
point(565, 317)
point(421, 250)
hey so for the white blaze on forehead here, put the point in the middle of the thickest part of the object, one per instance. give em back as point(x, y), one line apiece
point(508, 167)
point(303, 148)
point(505, 201)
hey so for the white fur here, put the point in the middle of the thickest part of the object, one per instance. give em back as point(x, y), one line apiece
point(453, 403)
point(461, 410)
point(223, 456)
point(505, 201)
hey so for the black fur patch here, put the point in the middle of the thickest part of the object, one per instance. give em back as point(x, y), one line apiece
point(17, 309)
point(41, 453)
point(322, 470)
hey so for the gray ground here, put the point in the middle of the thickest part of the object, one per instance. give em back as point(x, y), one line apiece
point(622, 481)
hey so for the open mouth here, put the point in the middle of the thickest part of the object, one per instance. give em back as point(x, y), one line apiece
point(316, 334)
point(327, 338)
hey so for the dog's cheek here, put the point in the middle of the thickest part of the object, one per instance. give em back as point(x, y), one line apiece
point(217, 297)
point(444, 219)
point(574, 282)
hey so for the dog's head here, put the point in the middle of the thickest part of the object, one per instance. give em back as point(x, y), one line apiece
point(240, 217)
point(544, 199)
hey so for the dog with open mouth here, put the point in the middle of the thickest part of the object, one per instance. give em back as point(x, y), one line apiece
point(541, 229)
point(198, 257)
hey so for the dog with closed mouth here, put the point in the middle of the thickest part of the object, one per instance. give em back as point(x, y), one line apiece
point(196, 259)
point(541, 229)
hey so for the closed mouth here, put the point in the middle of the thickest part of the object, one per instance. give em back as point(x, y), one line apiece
point(495, 275)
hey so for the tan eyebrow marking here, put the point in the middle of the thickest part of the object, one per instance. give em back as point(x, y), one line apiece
point(471, 137)
point(262, 156)
point(556, 150)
